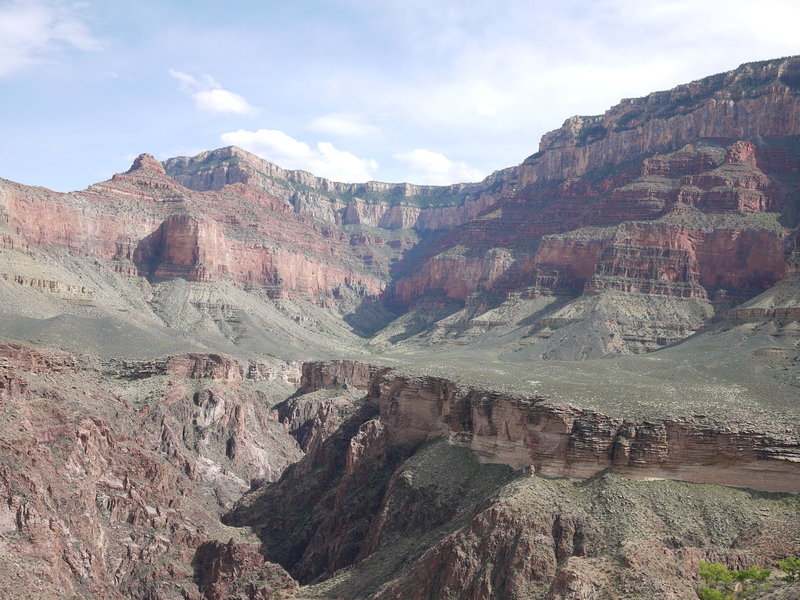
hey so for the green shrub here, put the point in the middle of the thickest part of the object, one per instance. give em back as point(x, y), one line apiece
point(752, 574)
point(791, 566)
point(715, 574)
point(725, 584)
point(712, 594)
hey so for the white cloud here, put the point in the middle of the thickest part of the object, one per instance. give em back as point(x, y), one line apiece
point(272, 145)
point(209, 96)
point(32, 32)
point(224, 102)
point(435, 168)
point(324, 160)
point(188, 83)
point(485, 108)
point(343, 124)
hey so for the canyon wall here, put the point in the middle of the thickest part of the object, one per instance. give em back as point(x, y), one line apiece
point(668, 164)
point(114, 474)
point(145, 224)
point(374, 204)
point(562, 440)
point(115, 471)
point(393, 504)
point(681, 224)
point(755, 100)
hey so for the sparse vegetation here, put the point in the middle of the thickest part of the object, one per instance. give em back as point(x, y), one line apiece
point(721, 583)
point(791, 80)
point(591, 134)
point(791, 567)
point(552, 326)
point(729, 220)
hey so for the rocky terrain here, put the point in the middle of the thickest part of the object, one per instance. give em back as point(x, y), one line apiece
point(576, 379)
point(431, 491)
point(113, 473)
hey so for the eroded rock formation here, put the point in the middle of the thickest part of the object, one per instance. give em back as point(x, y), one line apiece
point(112, 486)
point(173, 295)
point(561, 440)
point(394, 503)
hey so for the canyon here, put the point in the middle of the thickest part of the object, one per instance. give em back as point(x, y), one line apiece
point(576, 379)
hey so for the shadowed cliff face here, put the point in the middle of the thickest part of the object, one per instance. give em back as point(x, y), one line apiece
point(408, 487)
point(407, 499)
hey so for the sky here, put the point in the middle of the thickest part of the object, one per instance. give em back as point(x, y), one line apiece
point(420, 91)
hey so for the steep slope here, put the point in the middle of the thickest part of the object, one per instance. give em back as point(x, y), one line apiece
point(682, 202)
point(172, 270)
point(712, 237)
point(152, 327)
point(393, 505)
point(113, 474)
point(386, 206)
point(155, 227)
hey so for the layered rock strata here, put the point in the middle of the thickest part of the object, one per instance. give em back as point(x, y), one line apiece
point(562, 440)
point(757, 99)
point(394, 505)
point(208, 366)
point(709, 225)
point(671, 194)
point(154, 227)
point(111, 483)
point(373, 204)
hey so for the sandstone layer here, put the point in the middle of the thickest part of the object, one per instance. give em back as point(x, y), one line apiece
point(689, 193)
point(152, 329)
point(562, 440)
point(394, 503)
point(144, 223)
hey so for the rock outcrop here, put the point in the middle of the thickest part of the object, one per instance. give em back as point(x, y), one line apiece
point(111, 487)
point(560, 440)
point(674, 194)
point(374, 204)
point(394, 503)
point(704, 224)
point(757, 99)
point(177, 299)
point(152, 226)
point(208, 366)
point(331, 374)
point(238, 572)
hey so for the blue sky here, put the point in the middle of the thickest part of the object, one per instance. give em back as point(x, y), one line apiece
point(426, 91)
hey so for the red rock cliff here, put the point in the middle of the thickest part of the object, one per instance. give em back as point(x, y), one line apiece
point(560, 440)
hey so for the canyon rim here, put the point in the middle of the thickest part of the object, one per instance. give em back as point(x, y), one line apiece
point(575, 379)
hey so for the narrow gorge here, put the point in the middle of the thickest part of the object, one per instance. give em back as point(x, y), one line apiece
point(576, 379)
